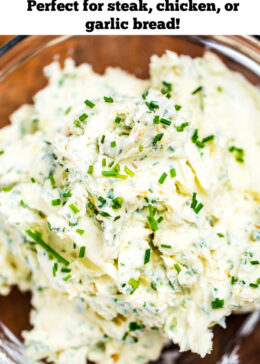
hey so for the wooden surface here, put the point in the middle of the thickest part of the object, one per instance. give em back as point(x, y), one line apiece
point(4, 39)
point(131, 54)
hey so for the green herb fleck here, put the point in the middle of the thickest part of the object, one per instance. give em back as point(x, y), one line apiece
point(90, 169)
point(109, 100)
point(82, 251)
point(165, 246)
point(133, 326)
point(200, 88)
point(80, 231)
point(113, 144)
point(56, 202)
point(147, 256)
point(177, 267)
point(157, 138)
point(117, 120)
point(74, 208)
point(165, 121)
point(89, 103)
point(172, 172)
point(109, 173)
point(181, 127)
point(83, 117)
point(217, 303)
point(163, 178)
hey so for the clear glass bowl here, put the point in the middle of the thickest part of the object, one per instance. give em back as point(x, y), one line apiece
point(21, 64)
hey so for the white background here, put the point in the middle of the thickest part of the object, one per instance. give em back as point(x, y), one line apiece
point(14, 19)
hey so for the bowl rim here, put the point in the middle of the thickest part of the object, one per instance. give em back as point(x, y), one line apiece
point(243, 49)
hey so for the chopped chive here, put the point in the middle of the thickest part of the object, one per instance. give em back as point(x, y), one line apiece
point(52, 180)
point(157, 138)
point(2, 152)
point(83, 117)
point(147, 256)
point(168, 85)
point(66, 194)
point(110, 164)
point(7, 189)
point(33, 180)
point(117, 203)
point(181, 127)
point(102, 200)
point(220, 89)
point(163, 178)
point(200, 88)
point(109, 173)
point(220, 235)
point(133, 326)
point(151, 220)
point(74, 208)
point(90, 169)
point(67, 278)
point(177, 107)
point(208, 138)
point(109, 100)
point(172, 172)
point(258, 281)
point(36, 236)
point(152, 105)
point(156, 119)
point(89, 103)
point(113, 144)
point(134, 283)
point(117, 120)
point(217, 303)
point(56, 202)
point(104, 214)
point(233, 280)
point(117, 218)
point(239, 155)
point(22, 203)
point(154, 286)
point(35, 121)
point(104, 162)
point(165, 246)
point(128, 171)
point(68, 110)
point(80, 231)
point(160, 219)
point(65, 270)
point(198, 208)
point(195, 136)
point(144, 95)
point(254, 262)
point(77, 123)
point(140, 148)
point(125, 336)
point(200, 144)
point(165, 121)
point(253, 285)
point(171, 148)
point(102, 139)
point(54, 269)
point(82, 251)
point(177, 267)
point(194, 201)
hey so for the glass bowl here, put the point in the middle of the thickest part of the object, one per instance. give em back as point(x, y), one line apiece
point(21, 76)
